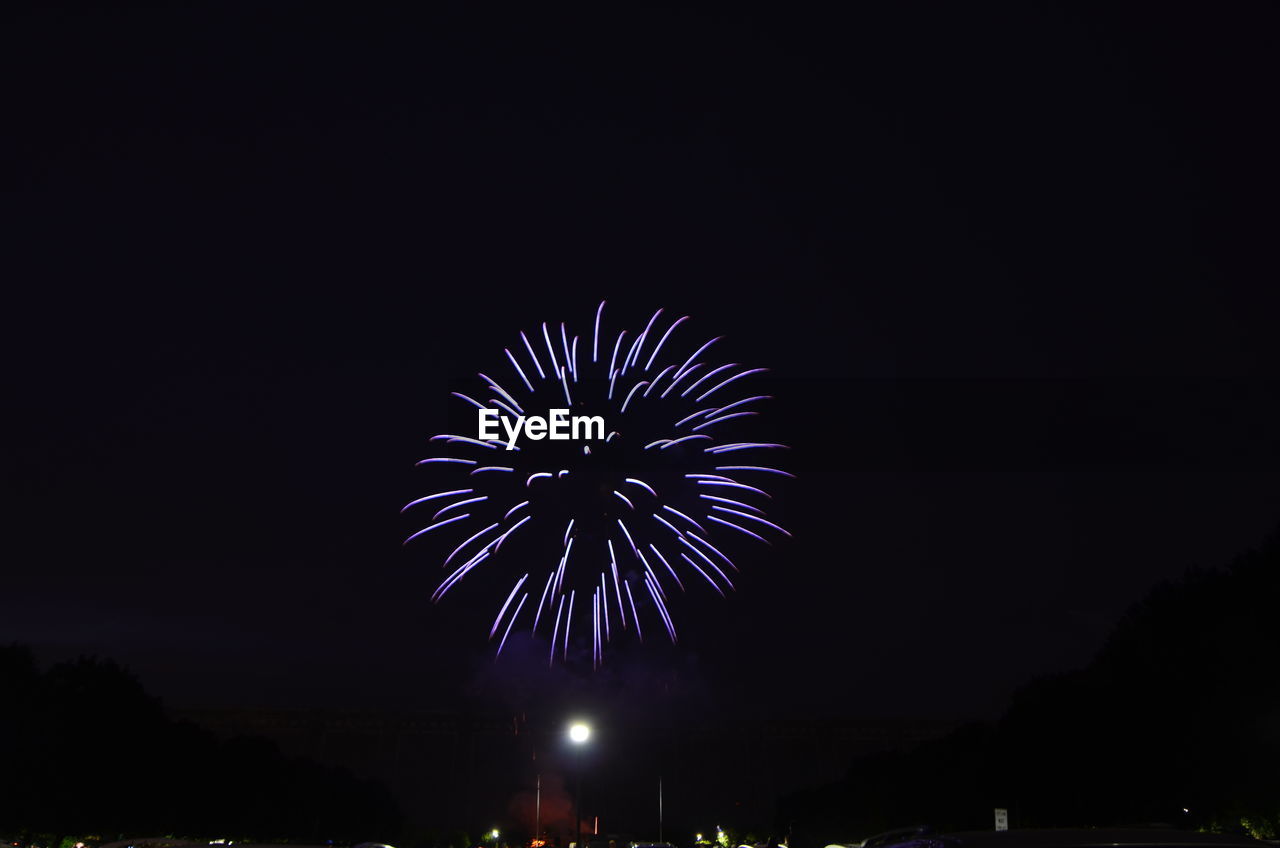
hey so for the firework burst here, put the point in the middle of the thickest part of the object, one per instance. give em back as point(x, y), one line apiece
point(623, 520)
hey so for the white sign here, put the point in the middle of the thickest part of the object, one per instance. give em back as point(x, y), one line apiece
point(558, 425)
point(1002, 819)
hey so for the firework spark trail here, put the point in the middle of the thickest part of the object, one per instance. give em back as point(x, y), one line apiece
point(662, 610)
point(737, 446)
point(433, 497)
point(533, 356)
point(732, 379)
point(718, 499)
point(738, 528)
point(690, 438)
point(564, 341)
point(457, 504)
point(675, 381)
point(519, 370)
point(459, 574)
point(649, 572)
point(642, 484)
point(675, 576)
point(477, 404)
point(564, 382)
point(613, 566)
point(613, 360)
point(724, 418)
point(507, 632)
point(595, 343)
point(661, 374)
point(564, 563)
point(751, 518)
point(627, 533)
point(632, 393)
point(604, 595)
point(634, 383)
point(542, 602)
point(492, 526)
point(701, 541)
point(663, 341)
point(699, 414)
point(707, 560)
point(498, 542)
point(467, 440)
point(706, 377)
point(502, 612)
point(504, 407)
point(568, 620)
point(556, 631)
point(669, 525)
point(436, 525)
point(684, 369)
point(714, 584)
point(493, 384)
point(595, 629)
point(754, 468)
point(551, 351)
point(736, 404)
point(635, 616)
point(675, 511)
point(735, 485)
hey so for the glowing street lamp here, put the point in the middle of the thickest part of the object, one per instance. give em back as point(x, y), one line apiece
point(579, 733)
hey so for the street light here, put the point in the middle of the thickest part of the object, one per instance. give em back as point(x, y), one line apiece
point(579, 733)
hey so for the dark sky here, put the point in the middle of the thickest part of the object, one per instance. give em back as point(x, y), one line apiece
point(1014, 267)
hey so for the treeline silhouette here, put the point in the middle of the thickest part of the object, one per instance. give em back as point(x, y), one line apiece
point(85, 750)
point(1176, 721)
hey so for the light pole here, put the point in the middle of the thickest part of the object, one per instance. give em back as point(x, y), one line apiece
point(579, 733)
point(659, 808)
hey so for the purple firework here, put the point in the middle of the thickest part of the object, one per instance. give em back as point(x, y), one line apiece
point(619, 519)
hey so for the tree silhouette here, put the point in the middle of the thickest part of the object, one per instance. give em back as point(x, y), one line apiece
point(1177, 720)
point(86, 749)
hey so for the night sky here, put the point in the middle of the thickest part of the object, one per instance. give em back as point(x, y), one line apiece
point(1014, 269)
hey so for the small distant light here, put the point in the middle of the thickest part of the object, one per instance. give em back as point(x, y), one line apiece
point(1185, 810)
